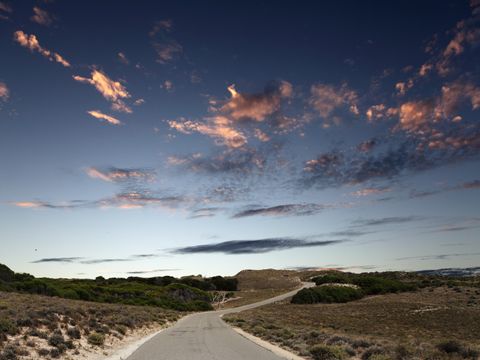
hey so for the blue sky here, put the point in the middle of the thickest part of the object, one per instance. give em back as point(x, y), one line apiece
point(142, 138)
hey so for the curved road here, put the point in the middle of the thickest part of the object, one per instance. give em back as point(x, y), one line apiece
point(205, 336)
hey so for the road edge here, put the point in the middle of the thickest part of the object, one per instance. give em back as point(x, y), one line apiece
point(277, 350)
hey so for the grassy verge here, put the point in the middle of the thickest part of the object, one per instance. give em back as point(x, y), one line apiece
point(433, 323)
point(35, 326)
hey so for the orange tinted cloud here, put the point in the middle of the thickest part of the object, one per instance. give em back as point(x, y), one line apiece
point(41, 17)
point(31, 42)
point(4, 92)
point(256, 107)
point(99, 115)
point(111, 90)
point(415, 114)
point(325, 99)
point(217, 127)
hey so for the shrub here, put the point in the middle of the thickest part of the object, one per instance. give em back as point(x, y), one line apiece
point(74, 332)
point(56, 339)
point(325, 352)
point(373, 352)
point(454, 347)
point(96, 339)
point(7, 327)
point(327, 294)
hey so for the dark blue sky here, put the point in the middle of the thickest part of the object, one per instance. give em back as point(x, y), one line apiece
point(207, 137)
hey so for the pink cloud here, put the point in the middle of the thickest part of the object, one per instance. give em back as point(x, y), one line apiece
point(99, 115)
point(31, 42)
point(111, 90)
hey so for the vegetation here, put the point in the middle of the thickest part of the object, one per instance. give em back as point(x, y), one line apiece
point(185, 294)
point(327, 294)
point(370, 283)
point(432, 323)
point(35, 326)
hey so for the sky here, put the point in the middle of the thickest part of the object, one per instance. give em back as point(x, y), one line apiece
point(142, 138)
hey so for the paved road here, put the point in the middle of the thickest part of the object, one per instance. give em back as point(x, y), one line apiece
point(205, 336)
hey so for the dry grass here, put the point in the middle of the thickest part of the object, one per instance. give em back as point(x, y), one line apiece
point(394, 326)
point(267, 279)
point(258, 285)
point(33, 326)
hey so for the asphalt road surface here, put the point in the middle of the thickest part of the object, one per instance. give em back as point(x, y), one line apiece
point(205, 336)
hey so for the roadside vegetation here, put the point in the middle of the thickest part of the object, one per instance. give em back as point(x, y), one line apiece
point(185, 294)
point(63, 318)
point(377, 316)
point(36, 326)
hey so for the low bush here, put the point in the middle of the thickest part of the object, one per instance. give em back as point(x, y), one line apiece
point(370, 283)
point(96, 339)
point(326, 352)
point(327, 294)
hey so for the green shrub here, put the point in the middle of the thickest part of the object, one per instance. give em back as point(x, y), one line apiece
point(96, 339)
point(7, 327)
point(326, 352)
point(56, 339)
point(327, 294)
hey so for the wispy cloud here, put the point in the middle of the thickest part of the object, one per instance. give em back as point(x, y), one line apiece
point(437, 256)
point(218, 127)
point(5, 10)
point(370, 191)
point(31, 42)
point(58, 260)
point(113, 91)
point(119, 175)
point(236, 247)
point(326, 99)
point(41, 17)
point(142, 272)
point(123, 58)
point(4, 92)
point(282, 210)
point(469, 185)
point(99, 115)
point(167, 48)
point(387, 220)
point(256, 107)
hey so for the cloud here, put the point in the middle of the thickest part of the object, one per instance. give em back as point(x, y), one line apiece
point(218, 127)
point(141, 272)
point(282, 210)
point(325, 99)
point(30, 42)
point(470, 185)
point(167, 85)
point(407, 153)
point(167, 50)
point(370, 191)
point(46, 205)
point(123, 58)
point(239, 162)
point(58, 260)
point(140, 199)
point(437, 257)
point(165, 46)
point(5, 10)
point(99, 115)
point(204, 212)
point(162, 25)
point(104, 261)
point(387, 221)
point(41, 17)
point(114, 174)
point(237, 247)
point(113, 91)
point(4, 92)
point(256, 107)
